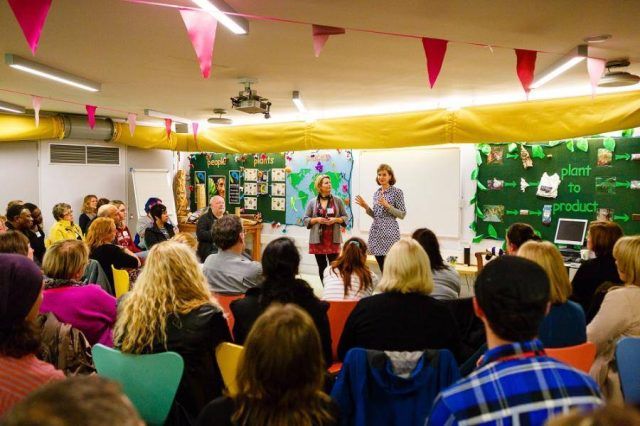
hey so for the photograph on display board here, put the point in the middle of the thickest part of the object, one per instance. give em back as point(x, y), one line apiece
point(250, 203)
point(217, 186)
point(278, 175)
point(278, 189)
point(263, 176)
point(493, 213)
point(604, 157)
point(250, 188)
point(263, 188)
point(278, 204)
point(251, 175)
point(234, 186)
point(606, 185)
point(605, 214)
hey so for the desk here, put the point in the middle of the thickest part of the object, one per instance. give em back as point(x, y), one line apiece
point(252, 235)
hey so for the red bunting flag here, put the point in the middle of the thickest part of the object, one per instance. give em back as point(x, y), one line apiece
point(595, 67)
point(321, 34)
point(434, 50)
point(31, 15)
point(167, 125)
point(131, 119)
point(526, 67)
point(36, 101)
point(201, 28)
point(91, 115)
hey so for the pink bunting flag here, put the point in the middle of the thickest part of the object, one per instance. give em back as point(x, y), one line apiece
point(321, 35)
point(201, 28)
point(131, 119)
point(31, 15)
point(595, 67)
point(167, 125)
point(36, 101)
point(91, 115)
point(526, 67)
point(195, 126)
point(434, 50)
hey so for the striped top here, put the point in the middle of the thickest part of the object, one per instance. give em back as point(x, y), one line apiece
point(334, 286)
point(21, 376)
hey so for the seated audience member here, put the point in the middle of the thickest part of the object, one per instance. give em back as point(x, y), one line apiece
point(515, 383)
point(13, 203)
point(349, 277)
point(64, 228)
point(88, 401)
point(15, 242)
point(187, 239)
point(403, 317)
point(617, 317)
point(601, 237)
point(20, 296)
point(101, 202)
point(123, 235)
point(564, 325)
point(102, 232)
point(20, 220)
point(517, 235)
point(3, 224)
point(108, 210)
point(87, 307)
point(171, 309)
point(89, 212)
point(146, 221)
point(609, 415)
point(446, 280)
point(37, 233)
point(228, 271)
point(204, 227)
point(280, 376)
point(161, 230)
point(280, 262)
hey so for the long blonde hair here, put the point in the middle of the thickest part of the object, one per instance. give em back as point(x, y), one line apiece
point(547, 255)
point(407, 269)
point(627, 255)
point(171, 284)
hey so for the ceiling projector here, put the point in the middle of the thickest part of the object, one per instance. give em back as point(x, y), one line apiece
point(248, 101)
point(618, 78)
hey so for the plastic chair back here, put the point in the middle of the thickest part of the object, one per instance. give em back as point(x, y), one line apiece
point(579, 356)
point(628, 360)
point(338, 313)
point(225, 301)
point(120, 281)
point(228, 356)
point(150, 381)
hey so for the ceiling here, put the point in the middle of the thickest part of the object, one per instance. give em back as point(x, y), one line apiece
point(143, 57)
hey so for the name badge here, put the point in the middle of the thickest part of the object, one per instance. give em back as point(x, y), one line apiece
point(38, 234)
point(330, 210)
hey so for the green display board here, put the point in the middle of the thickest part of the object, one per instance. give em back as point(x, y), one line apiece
point(599, 179)
point(255, 183)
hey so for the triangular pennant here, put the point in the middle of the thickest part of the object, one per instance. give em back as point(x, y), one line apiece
point(595, 67)
point(195, 126)
point(201, 28)
point(321, 34)
point(91, 115)
point(167, 126)
point(36, 101)
point(434, 50)
point(31, 15)
point(526, 67)
point(131, 119)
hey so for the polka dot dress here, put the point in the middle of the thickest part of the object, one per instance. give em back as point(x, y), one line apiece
point(385, 231)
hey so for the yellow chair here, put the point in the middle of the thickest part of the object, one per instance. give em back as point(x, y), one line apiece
point(120, 281)
point(228, 357)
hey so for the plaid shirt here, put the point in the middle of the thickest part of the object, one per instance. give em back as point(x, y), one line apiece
point(516, 384)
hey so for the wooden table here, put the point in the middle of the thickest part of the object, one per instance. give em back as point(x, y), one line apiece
point(251, 232)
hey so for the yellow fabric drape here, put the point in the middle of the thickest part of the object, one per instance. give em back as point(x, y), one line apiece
point(23, 127)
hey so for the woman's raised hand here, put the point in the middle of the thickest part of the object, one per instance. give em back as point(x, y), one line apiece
point(361, 202)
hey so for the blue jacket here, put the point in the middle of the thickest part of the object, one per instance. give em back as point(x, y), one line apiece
point(369, 393)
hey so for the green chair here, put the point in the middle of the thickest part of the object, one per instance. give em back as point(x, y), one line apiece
point(150, 381)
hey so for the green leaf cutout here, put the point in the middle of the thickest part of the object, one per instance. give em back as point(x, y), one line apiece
point(473, 200)
point(481, 187)
point(537, 151)
point(478, 238)
point(492, 232)
point(474, 174)
point(478, 158)
point(473, 226)
point(610, 144)
point(538, 233)
point(627, 133)
point(570, 146)
point(512, 147)
point(582, 145)
point(554, 143)
point(484, 148)
point(479, 212)
point(504, 245)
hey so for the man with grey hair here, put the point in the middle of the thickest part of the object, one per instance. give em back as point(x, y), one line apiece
point(108, 210)
point(204, 228)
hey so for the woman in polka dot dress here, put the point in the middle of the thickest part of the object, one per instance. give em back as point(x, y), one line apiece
point(388, 206)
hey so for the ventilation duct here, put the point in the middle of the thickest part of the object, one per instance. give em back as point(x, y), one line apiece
point(77, 127)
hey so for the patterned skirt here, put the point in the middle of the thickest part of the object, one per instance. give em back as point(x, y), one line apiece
point(326, 245)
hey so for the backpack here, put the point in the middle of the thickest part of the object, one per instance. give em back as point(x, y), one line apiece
point(64, 346)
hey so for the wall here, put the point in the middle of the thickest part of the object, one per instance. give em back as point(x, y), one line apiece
point(18, 172)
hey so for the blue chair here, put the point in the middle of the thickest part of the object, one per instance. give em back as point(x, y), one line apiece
point(628, 360)
point(150, 381)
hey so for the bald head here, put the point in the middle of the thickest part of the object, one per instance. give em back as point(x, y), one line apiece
point(217, 205)
point(108, 210)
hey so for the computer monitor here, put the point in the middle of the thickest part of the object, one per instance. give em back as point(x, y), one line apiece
point(571, 231)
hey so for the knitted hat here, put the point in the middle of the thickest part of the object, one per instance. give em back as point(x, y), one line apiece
point(20, 285)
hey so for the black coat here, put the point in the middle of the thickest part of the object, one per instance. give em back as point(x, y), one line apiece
point(204, 233)
point(588, 278)
point(154, 235)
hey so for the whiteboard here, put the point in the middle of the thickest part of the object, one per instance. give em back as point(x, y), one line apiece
point(149, 183)
point(430, 181)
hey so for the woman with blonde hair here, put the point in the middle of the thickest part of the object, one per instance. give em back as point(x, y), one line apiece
point(187, 239)
point(100, 238)
point(617, 317)
point(349, 277)
point(564, 324)
point(171, 309)
point(403, 317)
point(89, 211)
point(64, 228)
point(324, 217)
point(280, 376)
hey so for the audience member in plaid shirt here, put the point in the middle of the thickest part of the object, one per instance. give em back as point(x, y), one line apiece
point(515, 383)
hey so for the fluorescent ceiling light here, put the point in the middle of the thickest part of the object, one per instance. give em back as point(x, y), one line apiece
point(568, 61)
point(298, 102)
point(217, 9)
point(7, 106)
point(51, 73)
point(174, 118)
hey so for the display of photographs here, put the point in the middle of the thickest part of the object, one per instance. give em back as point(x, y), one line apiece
point(263, 188)
point(493, 213)
point(250, 203)
point(634, 184)
point(278, 189)
point(263, 176)
point(250, 188)
point(234, 186)
point(278, 204)
point(496, 156)
point(201, 177)
point(604, 157)
point(278, 175)
point(217, 185)
point(606, 185)
point(495, 184)
point(604, 214)
point(251, 175)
